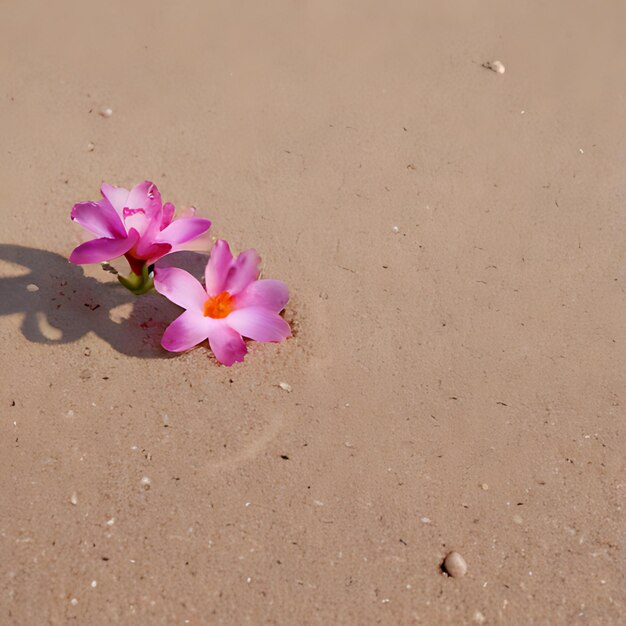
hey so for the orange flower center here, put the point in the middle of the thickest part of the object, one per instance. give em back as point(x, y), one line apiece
point(218, 306)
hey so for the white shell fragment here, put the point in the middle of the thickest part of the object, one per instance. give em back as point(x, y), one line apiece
point(495, 66)
point(106, 112)
point(286, 387)
point(32, 288)
point(454, 565)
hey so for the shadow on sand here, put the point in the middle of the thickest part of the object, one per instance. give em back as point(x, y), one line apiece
point(68, 305)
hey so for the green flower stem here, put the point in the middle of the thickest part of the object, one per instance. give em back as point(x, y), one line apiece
point(138, 283)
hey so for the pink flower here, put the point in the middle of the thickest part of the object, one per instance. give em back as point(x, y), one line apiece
point(134, 224)
point(233, 303)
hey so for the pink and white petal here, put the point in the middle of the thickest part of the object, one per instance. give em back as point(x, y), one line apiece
point(244, 270)
point(116, 196)
point(168, 214)
point(217, 268)
point(101, 219)
point(149, 229)
point(268, 294)
point(202, 243)
point(104, 249)
point(185, 332)
point(259, 324)
point(137, 219)
point(227, 344)
point(180, 287)
point(183, 230)
point(145, 196)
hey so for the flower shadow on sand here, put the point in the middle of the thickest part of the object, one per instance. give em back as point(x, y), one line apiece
point(68, 305)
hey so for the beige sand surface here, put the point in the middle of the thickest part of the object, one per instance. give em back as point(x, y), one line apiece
point(458, 384)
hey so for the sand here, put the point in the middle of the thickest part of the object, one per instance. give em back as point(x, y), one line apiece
point(453, 239)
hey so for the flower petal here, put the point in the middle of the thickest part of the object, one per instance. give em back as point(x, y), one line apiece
point(116, 196)
point(155, 251)
point(180, 287)
point(245, 269)
point(183, 230)
point(168, 214)
point(202, 243)
point(268, 294)
point(145, 196)
point(259, 324)
point(185, 332)
point(217, 268)
point(227, 344)
point(104, 249)
point(101, 219)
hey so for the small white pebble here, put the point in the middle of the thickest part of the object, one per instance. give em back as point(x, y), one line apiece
point(425, 520)
point(106, 112)
point(74, 499)
point(145, 483)
point(32, 288)
point(484, 487)
point(581, 151)
point(248, 503)
point(409, 586)
point(73, 601)
point(94, 584)
point(318, 503)
point(91, 146)
point(385, 600)
point(522, 112)
point(479, 618)
point(248, 580)
point(286, 387)
point(107, 267)
point(111, 521)
point(454, 564)
point(495, 66)
point(166, 419)
point(396, 230)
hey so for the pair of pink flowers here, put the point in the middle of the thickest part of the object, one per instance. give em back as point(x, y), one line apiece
point(232, 304)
